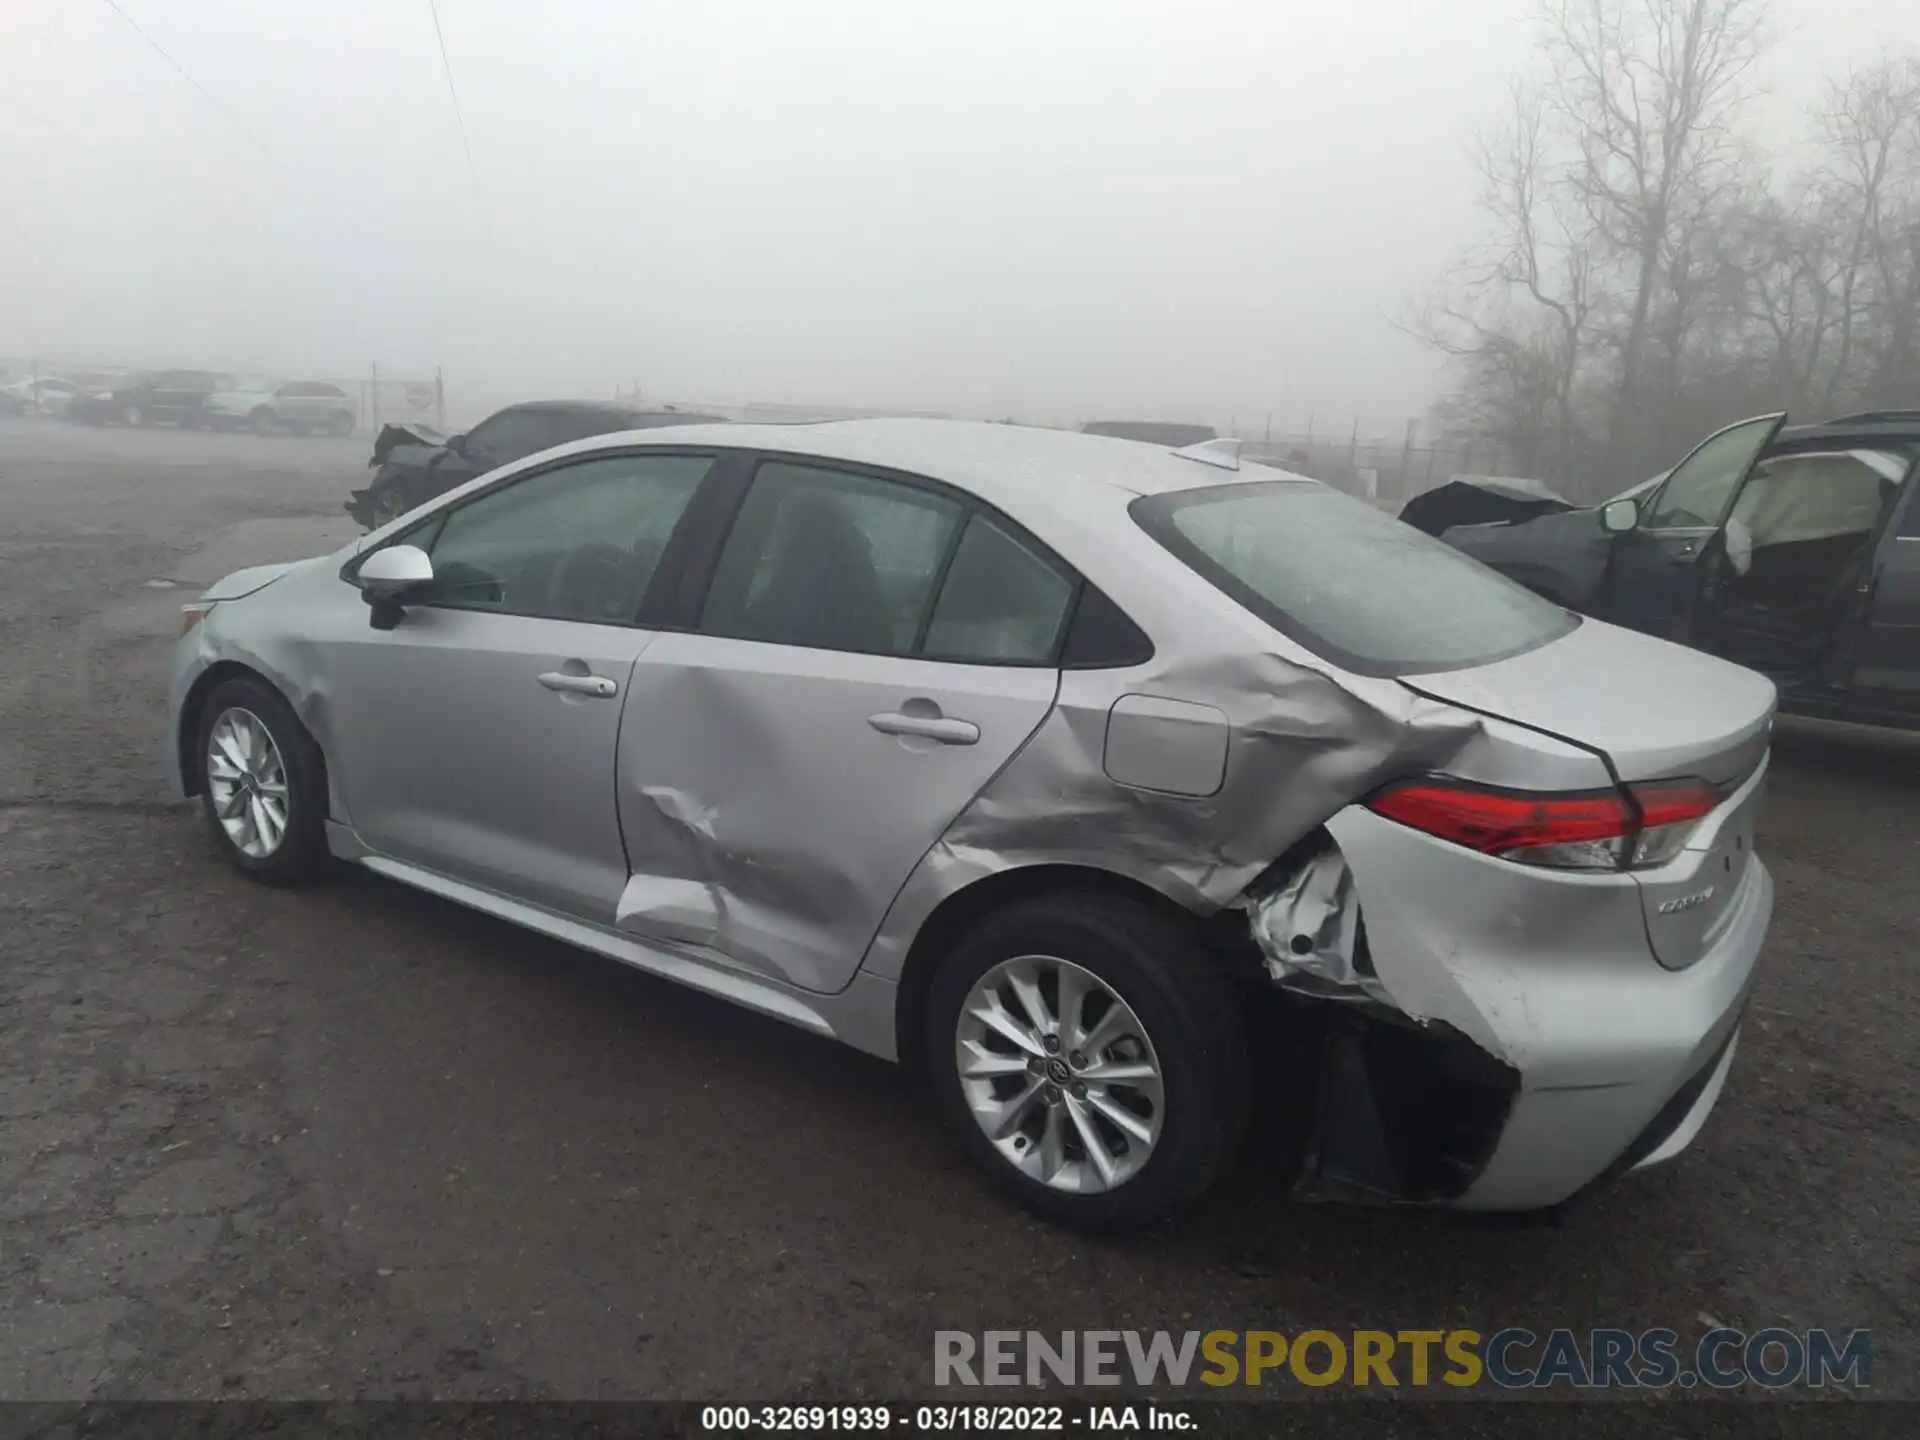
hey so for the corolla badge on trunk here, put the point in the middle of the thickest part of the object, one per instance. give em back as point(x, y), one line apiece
point(1686, 902)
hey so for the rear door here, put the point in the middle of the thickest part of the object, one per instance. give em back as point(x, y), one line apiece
point(1885, 679)
point(868, 653)
point(1654, 571)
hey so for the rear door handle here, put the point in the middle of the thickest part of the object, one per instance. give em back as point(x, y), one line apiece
point(596, 685)
point(926, 727)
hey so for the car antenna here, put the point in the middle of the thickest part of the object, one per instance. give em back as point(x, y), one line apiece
point(1223, 453)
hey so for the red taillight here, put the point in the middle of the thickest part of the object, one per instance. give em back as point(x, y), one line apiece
point(1672, 801)
point(1670, 811)
point(1594, 830)
point(1494, 822)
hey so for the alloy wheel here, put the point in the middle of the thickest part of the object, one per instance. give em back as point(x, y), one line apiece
point(1059, 1074)
point(247, 783)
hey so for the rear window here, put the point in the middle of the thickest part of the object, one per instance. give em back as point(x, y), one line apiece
point(1354, 586)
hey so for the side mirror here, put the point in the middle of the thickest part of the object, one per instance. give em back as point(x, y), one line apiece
point(457, 443)
point(1619, 516)
point(395, 568)
point(385, 579)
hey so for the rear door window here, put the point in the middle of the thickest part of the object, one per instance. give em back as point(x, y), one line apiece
point(830, 560)
point(1002, 603)
point(1350, 584)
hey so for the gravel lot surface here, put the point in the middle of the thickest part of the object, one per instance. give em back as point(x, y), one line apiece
point(355, 1141)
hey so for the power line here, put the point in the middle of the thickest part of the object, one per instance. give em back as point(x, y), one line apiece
point(453, 94)
point(184, 73)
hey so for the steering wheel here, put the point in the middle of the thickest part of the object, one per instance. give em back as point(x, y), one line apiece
point(593, 582)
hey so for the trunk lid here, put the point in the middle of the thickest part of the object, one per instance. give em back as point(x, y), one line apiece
point(1657, 711)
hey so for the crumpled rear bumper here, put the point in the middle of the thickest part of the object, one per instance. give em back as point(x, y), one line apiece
point(1494, 1037)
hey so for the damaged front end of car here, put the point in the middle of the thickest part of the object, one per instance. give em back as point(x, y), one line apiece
point(1406, 1108)
point(397, 449)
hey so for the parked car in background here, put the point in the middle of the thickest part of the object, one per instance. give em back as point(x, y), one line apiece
point(411, 468)
point(1792, 550)
point(1151, 432)
point(47, 395)
point(158, 397)
point(302, 406)
point(1037, 786)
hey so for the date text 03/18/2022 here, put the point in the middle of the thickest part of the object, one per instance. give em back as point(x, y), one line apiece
point(966, 1419)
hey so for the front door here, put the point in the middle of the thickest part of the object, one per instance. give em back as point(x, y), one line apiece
point(478, 737)
point(1654, 569)
point(869, 654)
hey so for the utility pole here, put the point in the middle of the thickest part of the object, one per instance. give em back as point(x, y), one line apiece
point(1406, 461)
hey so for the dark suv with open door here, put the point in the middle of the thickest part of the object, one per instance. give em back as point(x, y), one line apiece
point(1792, 550)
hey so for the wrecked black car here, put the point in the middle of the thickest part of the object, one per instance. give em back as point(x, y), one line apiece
point(1792, 550)
point(412, 463)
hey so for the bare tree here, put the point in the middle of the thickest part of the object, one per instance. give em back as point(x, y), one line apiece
point(1649, 93)
point(1869, 127)
point(1643, 278)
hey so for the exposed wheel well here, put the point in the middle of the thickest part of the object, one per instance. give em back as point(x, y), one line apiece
point(954, 915)
point(207, 682)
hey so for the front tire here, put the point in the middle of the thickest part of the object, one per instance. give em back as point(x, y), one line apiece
point(341, 424)
point(1089, 1055)
point(263, 784)
point(262, 421)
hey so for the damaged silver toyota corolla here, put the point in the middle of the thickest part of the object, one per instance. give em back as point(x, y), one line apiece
point(1031, 758)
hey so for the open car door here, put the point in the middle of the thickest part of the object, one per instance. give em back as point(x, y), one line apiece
point(1785, 584)
point(1654, 570)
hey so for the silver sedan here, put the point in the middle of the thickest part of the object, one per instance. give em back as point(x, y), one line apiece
point(1039, 761)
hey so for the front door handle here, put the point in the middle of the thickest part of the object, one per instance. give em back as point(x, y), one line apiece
point(926, 727)
point(597, 686)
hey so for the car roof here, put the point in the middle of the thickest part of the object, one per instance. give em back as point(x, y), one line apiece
point(1855, 429)
point(1015, 467)
point(581, 407)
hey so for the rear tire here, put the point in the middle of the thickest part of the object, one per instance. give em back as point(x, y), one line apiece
point(263, 784)
point(341, 424)
point(1164, 1139)
point(133, 415)
point(262, 421)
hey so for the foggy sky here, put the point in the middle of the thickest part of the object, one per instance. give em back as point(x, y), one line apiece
point(1057, 209)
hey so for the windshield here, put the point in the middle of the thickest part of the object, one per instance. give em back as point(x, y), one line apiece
point(1354, 586)
point(1636, 491)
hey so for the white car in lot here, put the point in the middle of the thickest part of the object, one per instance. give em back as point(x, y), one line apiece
point(1027, 758)
point(45, 395)
point(302, 406)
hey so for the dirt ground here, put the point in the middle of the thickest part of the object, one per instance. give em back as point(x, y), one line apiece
point(356, 1141)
